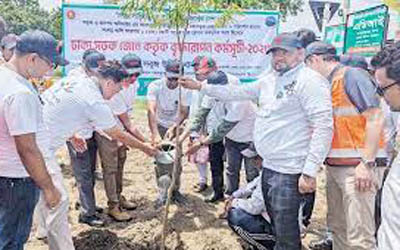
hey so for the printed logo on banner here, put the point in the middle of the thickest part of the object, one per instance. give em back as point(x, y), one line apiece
point(271, 21)
point(71, 14)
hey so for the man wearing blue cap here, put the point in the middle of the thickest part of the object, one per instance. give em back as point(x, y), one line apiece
point(162, 112)
point(293, 131)
point(24, 139)
point(112, 153)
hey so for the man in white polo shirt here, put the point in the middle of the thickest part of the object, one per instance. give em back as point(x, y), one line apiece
point(163, 116)
point(22, 138)
point(113, 154)
point(70, 105)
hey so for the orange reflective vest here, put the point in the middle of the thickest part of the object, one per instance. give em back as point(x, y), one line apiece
point(349, 127)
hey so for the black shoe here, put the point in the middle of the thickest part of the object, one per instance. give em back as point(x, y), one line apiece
point(200, 187)
point(178, 198)
point(98, 209)
point(214, 198)
point(324, 244)
point(92, 221)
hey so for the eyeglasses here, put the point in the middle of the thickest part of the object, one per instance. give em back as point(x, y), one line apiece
point(381, 90)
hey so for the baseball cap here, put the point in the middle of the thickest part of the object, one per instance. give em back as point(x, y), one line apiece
point(172, 68)
point(355, 61)
point(9, 41)
point(132, 64)
point(41, 43)
point(217, 78)
point(88, 52)
point(286, 41)
point(306, 36)
point(92, 61)
point(320, 48)
point(203, 64)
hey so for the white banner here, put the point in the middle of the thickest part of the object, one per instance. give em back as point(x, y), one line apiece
point(239, 48)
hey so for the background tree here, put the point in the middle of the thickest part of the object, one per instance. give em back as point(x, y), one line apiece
point(27, 14)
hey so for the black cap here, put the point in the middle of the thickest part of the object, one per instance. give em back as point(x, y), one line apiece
point(320, 48)
point(132, 64)
point(217, 78)
point(172, 68)
point(41, 43)
point(306, 36)
point(88, 52)
point(355, 61)
point(93, 59)
point(286, 41)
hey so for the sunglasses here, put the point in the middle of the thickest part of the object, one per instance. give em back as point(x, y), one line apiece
point(381, 90)
point(48, 62)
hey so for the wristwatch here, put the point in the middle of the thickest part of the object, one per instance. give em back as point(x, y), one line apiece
point(369, 163)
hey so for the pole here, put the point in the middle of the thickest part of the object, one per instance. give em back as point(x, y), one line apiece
point(346, 9)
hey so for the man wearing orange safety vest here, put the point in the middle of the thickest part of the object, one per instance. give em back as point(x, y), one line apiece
point(357, 149)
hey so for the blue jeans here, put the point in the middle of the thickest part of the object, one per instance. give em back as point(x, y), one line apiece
point(282, 200)
point(84, 166)
point(18, 198)
point(253, 229)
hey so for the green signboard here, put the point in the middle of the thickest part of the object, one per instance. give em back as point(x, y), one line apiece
point(366, 31)
point(335, 35)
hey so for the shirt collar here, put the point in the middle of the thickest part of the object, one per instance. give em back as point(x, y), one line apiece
point(293, 70)
point(22, 80)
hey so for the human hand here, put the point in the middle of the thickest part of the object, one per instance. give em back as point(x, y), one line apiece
point(189, 83)
point(78, 143)
point(52, 197)
point(364, 178)
point(307, 184)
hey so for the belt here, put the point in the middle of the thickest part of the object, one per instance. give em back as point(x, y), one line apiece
point(349, 162)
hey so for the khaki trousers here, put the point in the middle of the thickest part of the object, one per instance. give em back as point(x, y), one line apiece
point(350, 212)
point(112, 158)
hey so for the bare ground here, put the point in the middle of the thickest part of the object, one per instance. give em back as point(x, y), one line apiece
point(195, 227)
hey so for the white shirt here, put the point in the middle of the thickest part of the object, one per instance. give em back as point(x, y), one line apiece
point(294, 125)
point(242, 112)
point(123, 101)
point(167, 101)
point(80, 72)
point(73, 104)
point(20, 114)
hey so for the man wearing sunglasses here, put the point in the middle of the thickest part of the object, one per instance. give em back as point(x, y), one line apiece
point(113, 153)
point(357, 148)
point(163, 116)
point(387, 73)
point(24, 138)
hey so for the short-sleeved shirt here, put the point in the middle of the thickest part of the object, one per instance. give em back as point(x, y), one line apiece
point(360, 89)
point(123, 101)
point(167, 101)
point(73, 104)
point(20, 114)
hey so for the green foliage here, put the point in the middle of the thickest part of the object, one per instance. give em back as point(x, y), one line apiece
point(23, 15)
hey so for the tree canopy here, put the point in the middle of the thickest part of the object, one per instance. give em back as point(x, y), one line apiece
point(23, 15)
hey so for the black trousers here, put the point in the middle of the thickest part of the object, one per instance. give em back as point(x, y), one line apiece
point(217, 151)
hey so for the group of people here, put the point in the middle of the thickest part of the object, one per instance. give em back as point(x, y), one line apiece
point(313, 108)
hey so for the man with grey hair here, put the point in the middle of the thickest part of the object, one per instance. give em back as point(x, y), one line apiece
point(24, 139)
point(7, 46)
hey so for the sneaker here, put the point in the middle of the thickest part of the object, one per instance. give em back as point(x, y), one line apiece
point(92, 221)
point(324, 244)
